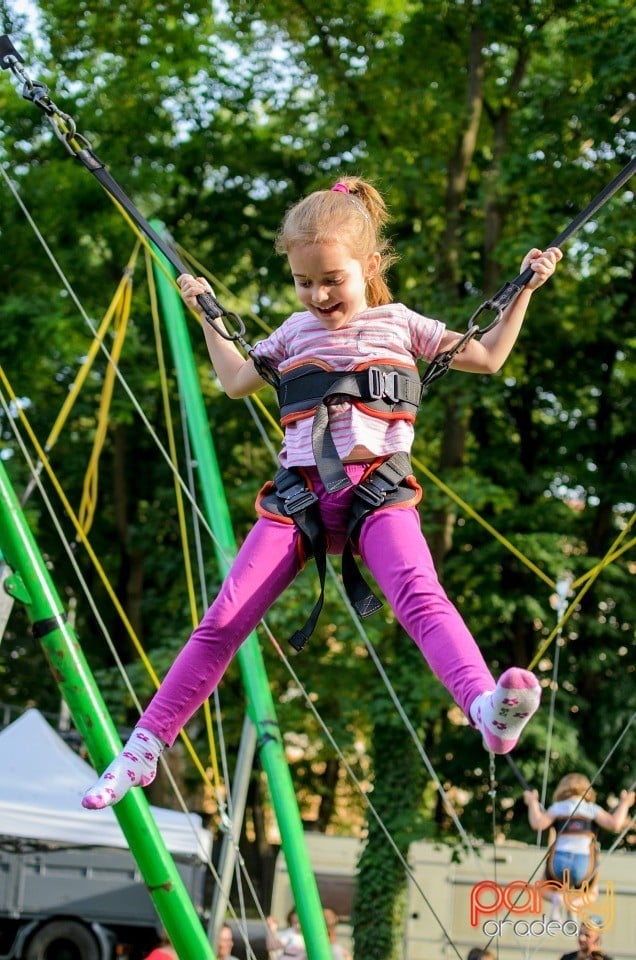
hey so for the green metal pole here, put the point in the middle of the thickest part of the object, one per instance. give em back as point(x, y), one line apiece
point(260, 703)
point(29, 583)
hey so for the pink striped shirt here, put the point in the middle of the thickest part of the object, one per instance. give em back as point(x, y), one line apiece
point(390, 332)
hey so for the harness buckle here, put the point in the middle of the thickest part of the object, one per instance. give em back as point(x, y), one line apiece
point(300, 499)
point(371, 493)
point(383, 386)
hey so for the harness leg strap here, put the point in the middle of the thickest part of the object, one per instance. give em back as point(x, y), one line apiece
point(363, 600)
point(299, 503)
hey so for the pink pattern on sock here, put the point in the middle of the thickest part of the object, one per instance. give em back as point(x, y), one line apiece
point(493, 712)
point(129, 769)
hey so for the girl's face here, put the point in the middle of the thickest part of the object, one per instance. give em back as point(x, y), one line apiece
point(329, 282)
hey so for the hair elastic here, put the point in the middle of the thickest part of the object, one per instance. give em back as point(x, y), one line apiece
point(341, 187)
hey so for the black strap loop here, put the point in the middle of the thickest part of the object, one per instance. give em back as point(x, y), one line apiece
point(40, 628)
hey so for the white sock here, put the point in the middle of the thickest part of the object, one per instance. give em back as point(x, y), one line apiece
point(500, 715)
point(135, 766)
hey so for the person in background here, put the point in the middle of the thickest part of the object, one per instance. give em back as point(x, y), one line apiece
point(589, 945)
point(338, 952)
point(163, 951)
point(575, 816)
point(287, 943)
point(477, 953)
point(225, 943)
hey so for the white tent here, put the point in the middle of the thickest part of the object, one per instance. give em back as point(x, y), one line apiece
point(42, 781)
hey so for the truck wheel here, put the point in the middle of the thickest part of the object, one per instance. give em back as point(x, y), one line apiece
point(62, 940)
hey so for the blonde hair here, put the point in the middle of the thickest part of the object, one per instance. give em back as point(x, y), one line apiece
point(574, 785)
point(355, 217)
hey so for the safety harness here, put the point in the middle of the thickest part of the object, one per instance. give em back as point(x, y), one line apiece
point(383, 389)
point(289, 498)
point(575, 827)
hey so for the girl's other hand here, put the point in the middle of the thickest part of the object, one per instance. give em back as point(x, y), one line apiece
point(191, 288)
point(542, 263)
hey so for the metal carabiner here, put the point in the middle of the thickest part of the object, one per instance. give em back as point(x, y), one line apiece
point(234, 318)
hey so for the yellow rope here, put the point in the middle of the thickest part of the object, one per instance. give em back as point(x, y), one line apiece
point(588, 580)
point(93, 350)
point(83, 539)
point(484, 523)
point(172, 447)
point(88, 502)
point(612, 553)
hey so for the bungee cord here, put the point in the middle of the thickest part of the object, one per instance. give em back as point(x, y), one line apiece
point(64, 129)
point(563, 589)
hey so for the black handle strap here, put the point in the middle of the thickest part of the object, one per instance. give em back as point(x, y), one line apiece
point(504, 297)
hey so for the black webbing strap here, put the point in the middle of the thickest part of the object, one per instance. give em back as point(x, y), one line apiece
point(78, 146)
point(297, 501)
point(392, 391)
point(382, 486)
point(504, 296)
point(41, 628)
point(300, 503)
point(294, 499)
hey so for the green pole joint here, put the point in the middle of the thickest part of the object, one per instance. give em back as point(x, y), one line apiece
point(14, 586)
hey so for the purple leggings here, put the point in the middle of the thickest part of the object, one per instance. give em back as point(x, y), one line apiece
point(393, 549)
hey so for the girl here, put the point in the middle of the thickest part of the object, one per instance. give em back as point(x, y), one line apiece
point(348, 396)
point(575, 815)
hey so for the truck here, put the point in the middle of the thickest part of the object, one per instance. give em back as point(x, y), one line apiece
point(69, 887)
point(64, 903)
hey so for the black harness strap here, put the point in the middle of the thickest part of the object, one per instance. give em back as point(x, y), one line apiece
point(294, 499)
point(78, 146)
point(382, 487)
point(575, 826)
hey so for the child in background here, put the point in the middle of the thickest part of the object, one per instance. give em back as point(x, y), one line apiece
point(348, 448)
point(574, 814)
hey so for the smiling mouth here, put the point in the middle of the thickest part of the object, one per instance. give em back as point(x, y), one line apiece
point(328, 310)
